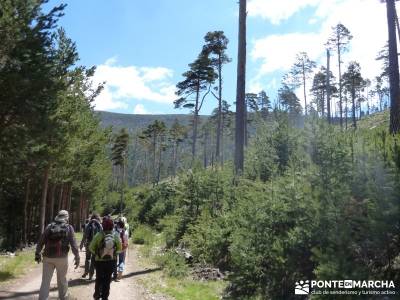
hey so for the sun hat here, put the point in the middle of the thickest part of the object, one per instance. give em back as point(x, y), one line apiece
point(62, 216)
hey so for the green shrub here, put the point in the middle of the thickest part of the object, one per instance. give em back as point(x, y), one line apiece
point(169, 226)
point(208, 240)
point(173, 264)
point(143, 235)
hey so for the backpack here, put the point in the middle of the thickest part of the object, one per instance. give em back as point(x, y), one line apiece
point(107, 247)
point(92, 228)
point(57, 240)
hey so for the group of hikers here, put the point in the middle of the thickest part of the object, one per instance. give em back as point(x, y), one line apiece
point(105, 243)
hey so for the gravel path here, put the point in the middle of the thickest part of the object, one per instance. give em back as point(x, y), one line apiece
point(27, 287)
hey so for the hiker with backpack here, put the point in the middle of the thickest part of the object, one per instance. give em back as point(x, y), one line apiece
point(123, 234)
point(91, 229)
point(105, 246)
point(57, 238)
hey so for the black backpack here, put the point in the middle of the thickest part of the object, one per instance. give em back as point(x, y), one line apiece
point(93, 227)
point(57, 240)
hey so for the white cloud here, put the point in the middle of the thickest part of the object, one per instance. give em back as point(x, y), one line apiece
point(140, 110)
point(278, 52)
point(124, 83)
point(366, 21)
point(277, 10)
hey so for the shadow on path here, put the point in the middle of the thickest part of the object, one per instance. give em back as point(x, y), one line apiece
point(146, 271)
point(71, 283)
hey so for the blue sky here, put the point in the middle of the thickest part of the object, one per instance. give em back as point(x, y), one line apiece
point(141, 48)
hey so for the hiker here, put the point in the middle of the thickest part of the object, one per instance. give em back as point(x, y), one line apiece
point(105, 246)
point(123, 234)
point(126, 225)
point(83, 228)
point(56, 239)
point(92, 228)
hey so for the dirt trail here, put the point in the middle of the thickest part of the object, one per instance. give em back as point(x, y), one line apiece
point(27, 287)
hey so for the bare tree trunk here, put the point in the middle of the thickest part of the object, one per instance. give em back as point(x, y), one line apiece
point(51, 204)
point(154, 157)
point(346, 112)
point(79, 219)
point(240, 90)
point(304, 89)
point(328, 87)
point(340, 86)
point(26, 203)
point(397, 22)
point(174, 159)
point(69, 198)
point(222, 141)
point(353, 102)
point(219, 125)
point(205, 160)
point(246, 120)
point(30, 221)
point(159, 164)
point(44, 197)
point(60, 197)
point(393, 69)
point(195, 121)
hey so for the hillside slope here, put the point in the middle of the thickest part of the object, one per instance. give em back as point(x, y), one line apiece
point(133, 122)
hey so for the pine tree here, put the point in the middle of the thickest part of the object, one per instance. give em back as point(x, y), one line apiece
point(338, 41)
point(301, 71)
point(199, 78)
point(353, 82)
point(319, 89)
point(289, 100)
point(216, 45)
point(119, 154)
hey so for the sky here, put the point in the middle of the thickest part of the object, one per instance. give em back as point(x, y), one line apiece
point(141, 48)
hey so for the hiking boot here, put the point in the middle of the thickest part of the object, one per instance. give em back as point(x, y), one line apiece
point(119, 276)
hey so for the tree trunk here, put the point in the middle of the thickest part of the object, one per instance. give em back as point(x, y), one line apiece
point(60, 197)
point(346, 112)
point(174, 158)
point(205, 159)
point(80, 212)
point(397, 22)
point(328, 87)
point(195, 121)
point(44, 197)
point(26, 204)
point(246, 120)
point(51, 204)
point(222, 140)
point(340, 85)
point(353, 102)
point(393, 69)
point(69, 199)
point(154, 156)
point(159, 164)
point(219, 124)
point(304, 90)
point(240, 90)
